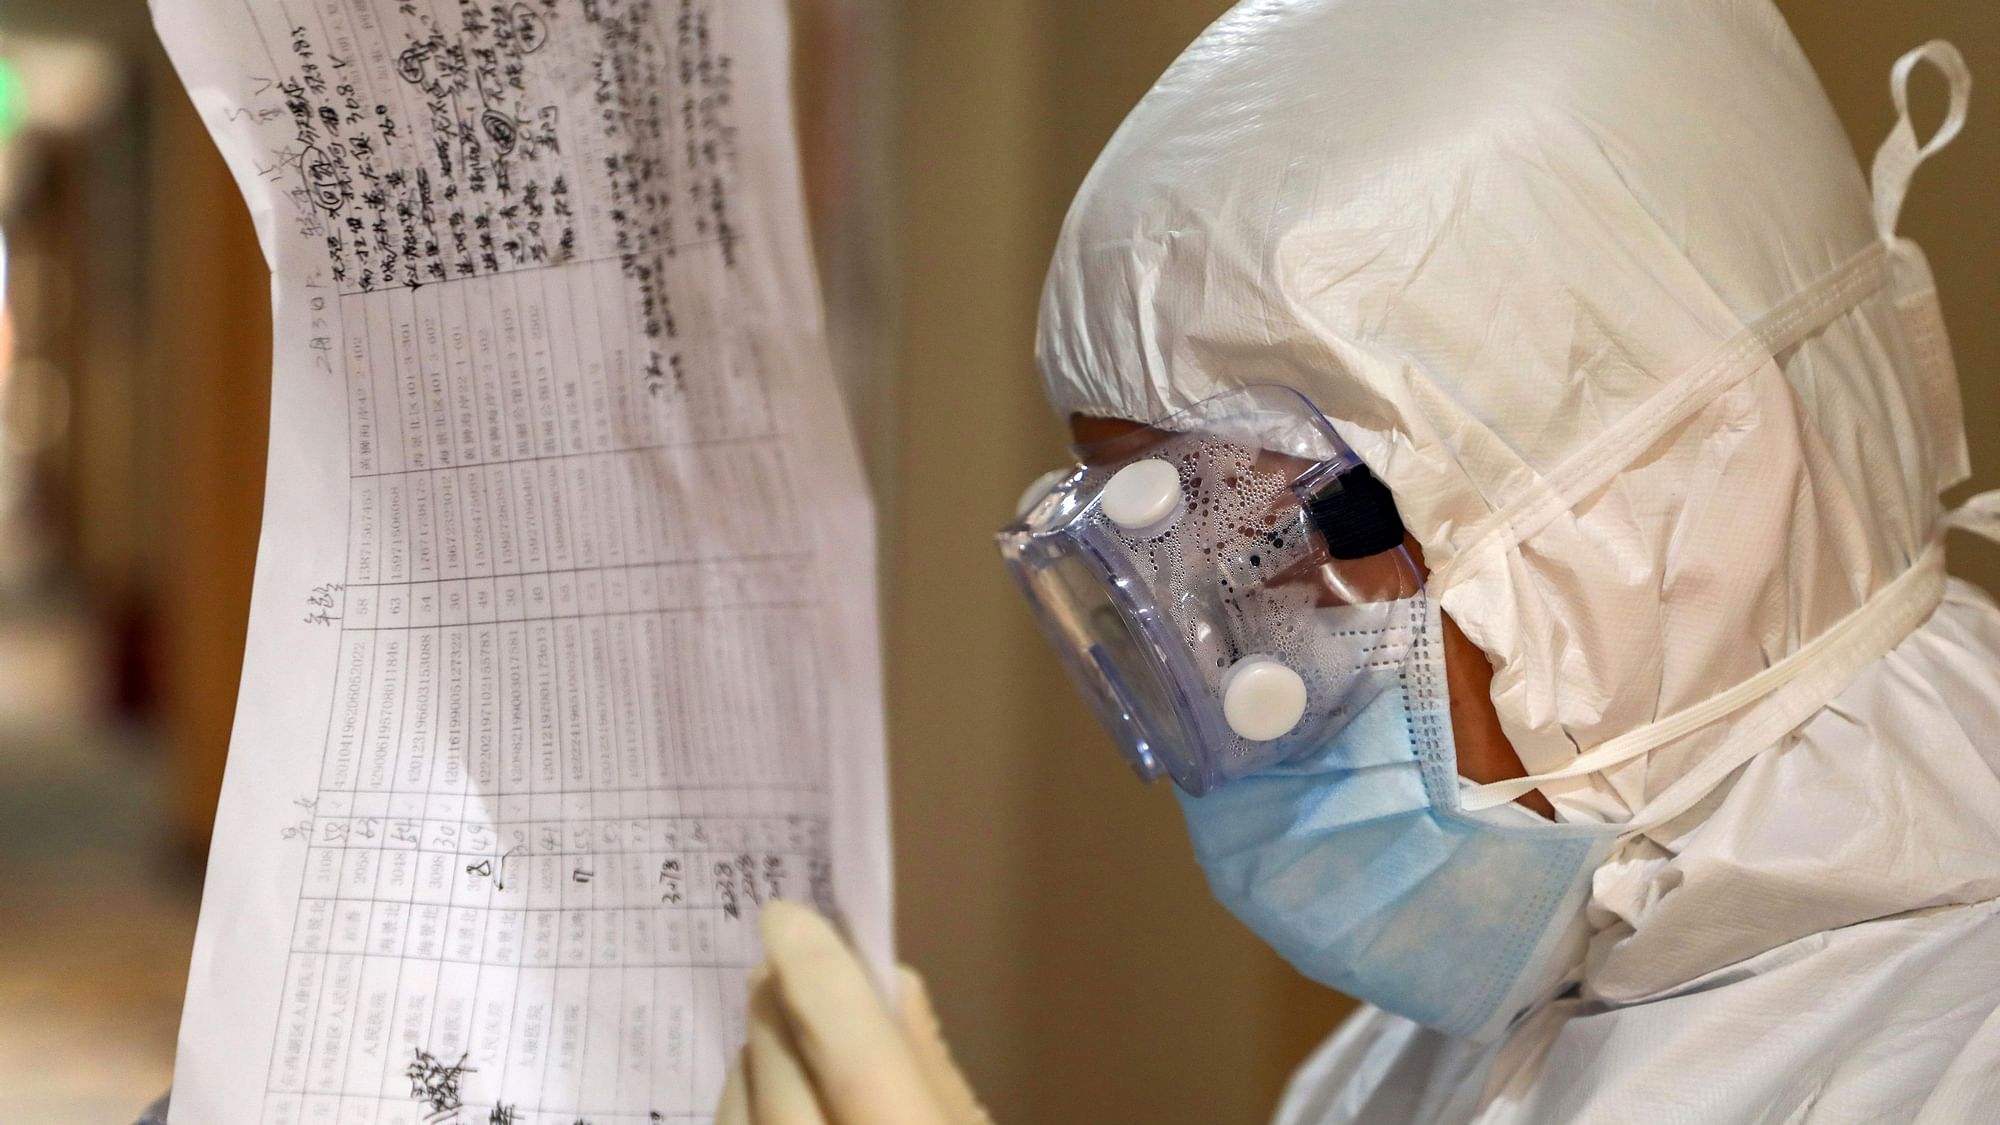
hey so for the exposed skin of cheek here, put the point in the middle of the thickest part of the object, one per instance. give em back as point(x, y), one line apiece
point(1484, 753)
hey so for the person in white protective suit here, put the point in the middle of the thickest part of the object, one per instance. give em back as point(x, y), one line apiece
point(1598, 291)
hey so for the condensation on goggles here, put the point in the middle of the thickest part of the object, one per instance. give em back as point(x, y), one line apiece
point(1225, 585)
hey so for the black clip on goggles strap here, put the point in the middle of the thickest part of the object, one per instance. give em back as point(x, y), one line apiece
point(1356, 515)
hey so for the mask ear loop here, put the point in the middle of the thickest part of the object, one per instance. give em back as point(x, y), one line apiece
point(1832, 658)
point(1896, 161)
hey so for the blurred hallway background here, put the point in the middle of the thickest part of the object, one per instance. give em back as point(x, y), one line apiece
point(1082, 970)
point(99, 906)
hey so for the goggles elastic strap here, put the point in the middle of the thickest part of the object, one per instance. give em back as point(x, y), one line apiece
point(1594, 465)
point(1805, 312)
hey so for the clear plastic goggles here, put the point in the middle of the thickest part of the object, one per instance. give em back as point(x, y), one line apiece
point(1226, 585)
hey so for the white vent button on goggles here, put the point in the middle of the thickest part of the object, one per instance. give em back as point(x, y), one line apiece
point(1141, 495)
point(1262, 699)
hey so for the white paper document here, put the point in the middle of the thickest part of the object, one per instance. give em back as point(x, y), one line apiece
point(562, 652)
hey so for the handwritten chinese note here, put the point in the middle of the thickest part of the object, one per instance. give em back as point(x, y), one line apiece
point(562, 655)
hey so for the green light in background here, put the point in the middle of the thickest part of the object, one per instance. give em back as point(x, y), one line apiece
point(10, 99)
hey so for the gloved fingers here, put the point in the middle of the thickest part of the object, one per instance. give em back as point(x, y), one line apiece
point(780, 1090)
point(734, 1108)
point(862, 1068)
point(926, 1039)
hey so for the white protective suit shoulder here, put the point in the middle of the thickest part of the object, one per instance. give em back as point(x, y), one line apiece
point(1599, 290)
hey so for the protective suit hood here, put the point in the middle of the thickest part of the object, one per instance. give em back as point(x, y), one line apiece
point(1599, 290)
point(1480, 236)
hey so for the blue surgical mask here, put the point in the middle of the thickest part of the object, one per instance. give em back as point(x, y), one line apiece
point(1357, 864)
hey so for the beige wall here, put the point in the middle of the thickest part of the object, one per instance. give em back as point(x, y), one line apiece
point(1083, 971)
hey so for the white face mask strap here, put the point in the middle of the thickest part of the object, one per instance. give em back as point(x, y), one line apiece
point(1879, 625)
point(1896, 161)
point(1864, 634)
point(1979, 515)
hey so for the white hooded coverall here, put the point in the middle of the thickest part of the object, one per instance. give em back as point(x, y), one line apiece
point(1599, 290)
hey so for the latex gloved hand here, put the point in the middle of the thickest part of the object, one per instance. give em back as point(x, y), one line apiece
point(823, 1048)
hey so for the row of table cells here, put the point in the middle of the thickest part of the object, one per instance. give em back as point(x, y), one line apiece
point(659, 911)
point(566, 704)
point(704, 860)
point(540, 364)
point(624, 1039)
point(704, 587)
point(720, 502)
